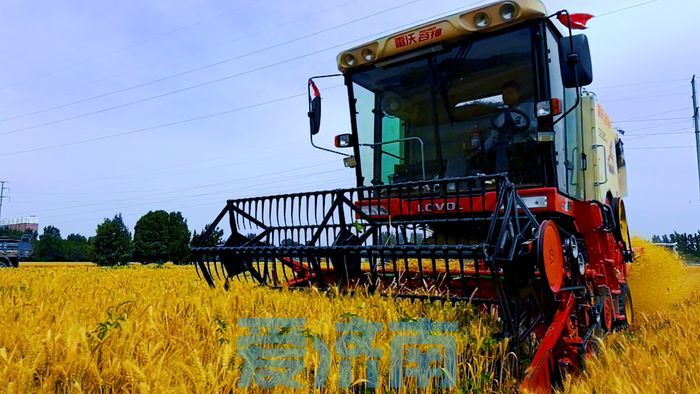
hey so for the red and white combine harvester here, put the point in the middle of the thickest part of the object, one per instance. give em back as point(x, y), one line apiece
point(485, 174)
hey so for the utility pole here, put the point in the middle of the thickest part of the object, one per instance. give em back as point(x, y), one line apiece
point(696, 118)
point(2, 195)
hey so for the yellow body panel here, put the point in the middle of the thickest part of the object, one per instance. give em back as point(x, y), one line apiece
point(441, 30)
point(606, 175)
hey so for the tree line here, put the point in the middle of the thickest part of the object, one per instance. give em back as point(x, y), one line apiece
point(158, 237)
point(688, 244)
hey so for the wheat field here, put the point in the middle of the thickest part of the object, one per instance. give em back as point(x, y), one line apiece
point(660, 354)
point(156, 329)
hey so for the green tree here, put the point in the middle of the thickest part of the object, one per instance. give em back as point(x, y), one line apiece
point(8, 232)
point(688, 245)
point(112, 243)
point(178, 239)
point(49, 246)
point(76, 248)
point(151, 237)
point(160, 237)
point(215, 238)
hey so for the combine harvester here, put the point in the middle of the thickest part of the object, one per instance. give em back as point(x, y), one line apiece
point(485, 174)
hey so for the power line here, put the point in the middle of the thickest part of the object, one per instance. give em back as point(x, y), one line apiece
point(206, 116)
point(326, 183)
point(671, 132)
point(655, 114)
point(645, 92)
point(662, 147)
point(130, 46)
point(653, 120)
point(190, 71)
point(166, 169)
point(150, 128)
point(248, 188)
point(659, 82)
point(168, 60)
point(658, 126)
point(230, 76)
point(626, 8)
point(171, 191)
point(644, 97)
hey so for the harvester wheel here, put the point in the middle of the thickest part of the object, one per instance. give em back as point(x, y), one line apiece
point(550, 254)
point(4, 263)
point(621, 232)
point(608, 315)
point(626, 307)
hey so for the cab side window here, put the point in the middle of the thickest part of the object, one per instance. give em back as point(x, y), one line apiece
point(620, 152)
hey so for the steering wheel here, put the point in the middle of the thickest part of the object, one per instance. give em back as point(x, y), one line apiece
point(515, 128)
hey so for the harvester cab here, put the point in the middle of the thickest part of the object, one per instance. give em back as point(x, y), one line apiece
point(485, 173)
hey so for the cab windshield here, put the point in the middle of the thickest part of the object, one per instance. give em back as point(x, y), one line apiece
point(458, 111)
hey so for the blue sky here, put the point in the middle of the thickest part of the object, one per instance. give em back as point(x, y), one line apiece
point(58, 57)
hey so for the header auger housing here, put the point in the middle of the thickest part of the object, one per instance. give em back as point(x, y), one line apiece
point(542, 238)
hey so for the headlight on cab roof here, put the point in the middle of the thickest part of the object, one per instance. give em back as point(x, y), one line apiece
point(368, 54)
point(481, 20)
point(349, 59)
point(508, 11)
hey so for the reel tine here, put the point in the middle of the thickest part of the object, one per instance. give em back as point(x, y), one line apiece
point(226, 277)
point(206, 273)
point(224, 272)
point(216, 269)
point(196, 268)
point(209, 270)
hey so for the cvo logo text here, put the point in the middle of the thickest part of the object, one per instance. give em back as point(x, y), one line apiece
point(439, 207)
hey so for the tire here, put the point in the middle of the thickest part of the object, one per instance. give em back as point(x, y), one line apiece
point(608, 316)
point(626, 308)
point(621, 232)
point(5, 262)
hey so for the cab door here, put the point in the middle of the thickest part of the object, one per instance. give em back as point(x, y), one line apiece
point(600, 140)
point(570, 155)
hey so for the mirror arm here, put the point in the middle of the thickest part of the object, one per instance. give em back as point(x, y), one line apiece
point(326, 149)
point(311, 113)
point(571, 45)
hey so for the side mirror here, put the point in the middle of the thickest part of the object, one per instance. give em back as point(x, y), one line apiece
point(314, 108)
point(343, 140)
point(575, 59)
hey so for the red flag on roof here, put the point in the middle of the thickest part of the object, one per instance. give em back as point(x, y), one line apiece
point(578, 21)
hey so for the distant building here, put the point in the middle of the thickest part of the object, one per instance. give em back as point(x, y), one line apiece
point(28, 223)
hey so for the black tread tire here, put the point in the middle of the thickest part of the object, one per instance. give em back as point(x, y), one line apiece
point(625, 296)
point(618, 206)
